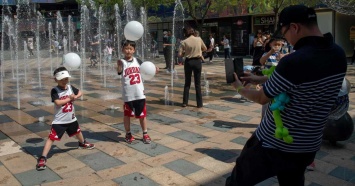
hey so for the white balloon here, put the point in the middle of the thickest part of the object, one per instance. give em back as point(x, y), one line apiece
point(133, 30)
point(71, 61)
point(147, 70)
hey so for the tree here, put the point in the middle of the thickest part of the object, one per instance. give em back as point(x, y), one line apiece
point(108, 6)
point(275, 6)
point(199, 9)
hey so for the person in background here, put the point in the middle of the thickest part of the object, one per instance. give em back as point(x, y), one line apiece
point(108, 53)
point(210, 48)
point(177, 59)
point(267, 38)
point(169, 48)
point(95, 44)
point(353, 58)
point(30, 46)
point(153, 47)
point(226, 47)
point(191, 48)
point(258, 49)
point(93, 58)
point(165, 50)
point(311, 98)
point(197, 34)
point(216, 49)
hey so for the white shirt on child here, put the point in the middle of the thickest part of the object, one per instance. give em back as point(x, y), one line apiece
point(133, 88)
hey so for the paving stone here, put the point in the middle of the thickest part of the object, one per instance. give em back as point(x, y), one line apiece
point(183, 167)
point(188, 136)
point(162, 119)
point(152, 149)
point(83, 119)
point(192, 113)
point(320, 154)
point(242, 118)
point(314, 184)
point(79, 108)
point(94, 137)
point(37, 127)
point(237, 101)
point(9, 147)
point(5, 119)
point(344, 174)
point(135, 179)
point(39, 103)
point(3, 136)
point(240, 140)
point(135, 129)
point(112, 113)
point(34, 177)
point(35, 147)
point(150, 94)
point(7, 107)
point(100, 161)
point(218, 107)
point(219, 154)
point(268, 182)
point(10, 99)
point(222, 126)
point(39, 95)
point(94, 95)
point(39, 113)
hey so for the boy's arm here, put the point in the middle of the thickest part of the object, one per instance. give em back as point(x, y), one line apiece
point(63, 101)
point(77, 92)
point(119, 67)
point(266, 56)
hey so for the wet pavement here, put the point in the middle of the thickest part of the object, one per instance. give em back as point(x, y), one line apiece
point(190, 146)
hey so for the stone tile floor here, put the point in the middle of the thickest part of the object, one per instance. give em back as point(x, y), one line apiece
point(190, 146)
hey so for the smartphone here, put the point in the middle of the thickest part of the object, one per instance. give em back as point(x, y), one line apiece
point(233, 65)
point(238, 67)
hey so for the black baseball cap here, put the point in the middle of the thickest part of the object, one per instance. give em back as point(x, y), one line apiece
point(295, 14)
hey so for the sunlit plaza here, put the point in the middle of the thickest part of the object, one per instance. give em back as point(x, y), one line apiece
point(190, 145)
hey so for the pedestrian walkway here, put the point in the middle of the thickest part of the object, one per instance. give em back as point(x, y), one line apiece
point(190, 146)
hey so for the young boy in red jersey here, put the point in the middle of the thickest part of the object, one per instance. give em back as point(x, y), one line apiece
point(63, 96)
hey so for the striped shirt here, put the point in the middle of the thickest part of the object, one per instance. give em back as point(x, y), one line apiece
point(312, 77)
point(270, 60)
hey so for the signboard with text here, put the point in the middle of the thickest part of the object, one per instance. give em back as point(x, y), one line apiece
point(264, 20)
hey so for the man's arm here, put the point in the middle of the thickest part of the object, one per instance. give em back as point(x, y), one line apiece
point(258, 96)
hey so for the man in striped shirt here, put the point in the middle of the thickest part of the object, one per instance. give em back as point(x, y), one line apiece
point(311, 77)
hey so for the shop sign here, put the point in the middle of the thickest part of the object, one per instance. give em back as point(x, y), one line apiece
point(264, 20)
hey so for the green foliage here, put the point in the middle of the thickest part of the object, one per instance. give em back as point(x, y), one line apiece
point(198, 9)
point(274, 6)
point(154, 19)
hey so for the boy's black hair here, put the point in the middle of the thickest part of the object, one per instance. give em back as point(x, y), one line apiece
point(128, 42)
point(59, 70)
point(267, 46)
